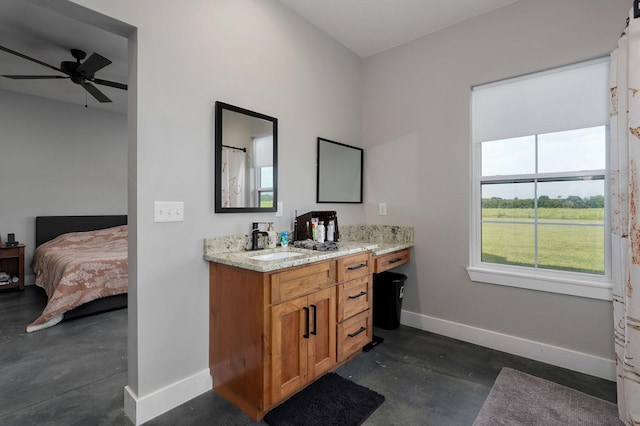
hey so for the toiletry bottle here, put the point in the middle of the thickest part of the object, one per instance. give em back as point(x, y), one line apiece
point(331, 229)
point(320, 232)
point(272, 236)
point(284, 238)
point(314, 231)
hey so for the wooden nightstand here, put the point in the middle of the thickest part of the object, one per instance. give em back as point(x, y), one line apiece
point(12, 262)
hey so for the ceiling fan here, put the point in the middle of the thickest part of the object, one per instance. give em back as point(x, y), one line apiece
point(82, 73)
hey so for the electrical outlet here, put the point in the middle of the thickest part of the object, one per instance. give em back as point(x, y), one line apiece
point(382, 209)
point(280, 209)
point(168, 211)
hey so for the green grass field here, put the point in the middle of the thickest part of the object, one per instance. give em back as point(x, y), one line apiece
point(546, 214)
point(560, 245)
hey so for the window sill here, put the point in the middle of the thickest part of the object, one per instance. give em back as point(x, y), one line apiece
point(563, 283)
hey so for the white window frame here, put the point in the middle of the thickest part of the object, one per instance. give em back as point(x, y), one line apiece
point(554, 281)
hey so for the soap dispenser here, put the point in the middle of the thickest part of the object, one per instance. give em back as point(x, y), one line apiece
point(272, 236)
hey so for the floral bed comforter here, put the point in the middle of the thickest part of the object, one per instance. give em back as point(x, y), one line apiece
point(79, 267)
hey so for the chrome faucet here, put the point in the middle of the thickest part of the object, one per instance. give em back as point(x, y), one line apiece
point(255, 236)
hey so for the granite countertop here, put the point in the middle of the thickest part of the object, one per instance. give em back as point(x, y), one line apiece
point(243, 259)
point(378, 239)
point(385, 248)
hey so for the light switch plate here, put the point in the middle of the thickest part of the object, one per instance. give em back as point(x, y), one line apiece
point(168, 211)
point(280, 207)
point(382, 209)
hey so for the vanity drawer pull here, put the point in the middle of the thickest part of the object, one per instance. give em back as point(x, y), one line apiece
point(399, 259)
point(362, 293)
point(353, 268)
point(357, 332)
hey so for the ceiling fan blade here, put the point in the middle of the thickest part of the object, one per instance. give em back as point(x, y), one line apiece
point(13, 52)
point(93, 90)
point(93, 63)
point(110, 83)
point(34, 77)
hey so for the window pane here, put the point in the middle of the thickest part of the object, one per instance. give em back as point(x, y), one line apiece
point(578, 201)
point(508, 244)
point(509, 156)
point(571, 248)
point(573, 150)
point(508, 200)
point(266, 199)
point(266, 177)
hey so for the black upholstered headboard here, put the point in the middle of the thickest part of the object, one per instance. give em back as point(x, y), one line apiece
point(49, 227)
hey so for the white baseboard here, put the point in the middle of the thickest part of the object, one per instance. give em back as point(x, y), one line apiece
point(142, 409)
point(561, 357)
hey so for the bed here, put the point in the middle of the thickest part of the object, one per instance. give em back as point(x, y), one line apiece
point(81, 263)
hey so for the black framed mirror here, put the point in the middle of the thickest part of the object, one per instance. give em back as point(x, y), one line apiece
point(339, 172)
point(246, 160)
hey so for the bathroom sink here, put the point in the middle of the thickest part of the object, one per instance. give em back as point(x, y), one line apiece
point(279, 255)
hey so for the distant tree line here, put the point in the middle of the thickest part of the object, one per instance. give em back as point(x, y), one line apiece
point(571, 202)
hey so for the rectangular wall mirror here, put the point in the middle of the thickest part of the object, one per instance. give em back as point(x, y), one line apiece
point(246, 160)
point(339, 173)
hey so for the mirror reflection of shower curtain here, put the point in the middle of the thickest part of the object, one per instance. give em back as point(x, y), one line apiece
point(233, 177)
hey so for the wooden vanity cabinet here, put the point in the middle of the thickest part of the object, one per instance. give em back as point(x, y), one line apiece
point(272, 333)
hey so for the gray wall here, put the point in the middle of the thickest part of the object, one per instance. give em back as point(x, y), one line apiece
point(416, 117)
point(255, 54)
point(408, 106)
point(58, 159)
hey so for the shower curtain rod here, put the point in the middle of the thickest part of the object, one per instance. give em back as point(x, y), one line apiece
point(233, 147)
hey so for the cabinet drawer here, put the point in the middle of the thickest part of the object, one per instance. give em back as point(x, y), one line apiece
point(8, 252)
point(354, 334)
point(296, 282)
point(354, 297)
point(391, 260)
point(358, 265)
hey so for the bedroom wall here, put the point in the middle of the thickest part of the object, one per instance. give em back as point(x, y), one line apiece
point(58, 159)
point(256, 54)
point(416, 114)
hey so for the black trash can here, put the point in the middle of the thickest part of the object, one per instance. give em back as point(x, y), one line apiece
point(388, 291)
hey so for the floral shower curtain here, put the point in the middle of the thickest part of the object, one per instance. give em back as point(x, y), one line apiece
point(233, 177)
point(625, 217)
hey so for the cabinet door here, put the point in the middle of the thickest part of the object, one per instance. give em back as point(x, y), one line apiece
point(289, 325)
point(322, 340)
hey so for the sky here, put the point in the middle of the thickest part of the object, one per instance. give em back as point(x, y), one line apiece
point(574, 150)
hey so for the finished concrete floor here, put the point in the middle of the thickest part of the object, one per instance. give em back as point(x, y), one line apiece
point(75, 374)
